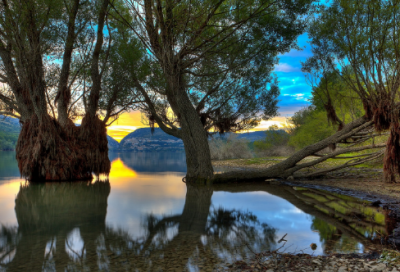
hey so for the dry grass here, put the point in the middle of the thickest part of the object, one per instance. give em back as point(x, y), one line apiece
point(229, 148)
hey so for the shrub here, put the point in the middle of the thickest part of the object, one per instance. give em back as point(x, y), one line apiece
point(229, 147)
point(314, 129)
point(275, 143)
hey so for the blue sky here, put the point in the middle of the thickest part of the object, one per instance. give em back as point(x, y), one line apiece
point(294, 90)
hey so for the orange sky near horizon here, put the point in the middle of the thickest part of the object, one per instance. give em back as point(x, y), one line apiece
point(130, 121)
point(125, 124)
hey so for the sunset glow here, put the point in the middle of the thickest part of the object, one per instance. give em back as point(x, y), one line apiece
point(126, 123)
point(130, 121)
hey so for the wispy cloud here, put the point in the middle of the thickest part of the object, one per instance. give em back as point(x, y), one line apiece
point(298, 96)
point(286, 68)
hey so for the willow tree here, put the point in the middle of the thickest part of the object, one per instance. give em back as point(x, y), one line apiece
point(54, 56)
point(210, 63)
point(363, 49)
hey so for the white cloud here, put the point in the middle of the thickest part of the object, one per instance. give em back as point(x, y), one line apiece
point(298, 96)
point(286, 68)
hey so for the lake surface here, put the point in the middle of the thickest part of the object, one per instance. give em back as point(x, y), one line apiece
point(146, 219)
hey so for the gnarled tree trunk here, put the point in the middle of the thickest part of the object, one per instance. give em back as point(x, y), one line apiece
point(48, 151)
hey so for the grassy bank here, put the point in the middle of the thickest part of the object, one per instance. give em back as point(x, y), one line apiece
point(365, 177)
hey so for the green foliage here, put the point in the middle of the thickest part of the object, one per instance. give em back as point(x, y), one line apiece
point(362, 48)
point(9, 132)
point(274, 137)
point(345, 101)
point(223, 51)
point(311, 126)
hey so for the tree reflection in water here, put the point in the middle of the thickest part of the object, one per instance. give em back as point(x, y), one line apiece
point(62, 226)
point(344, 223)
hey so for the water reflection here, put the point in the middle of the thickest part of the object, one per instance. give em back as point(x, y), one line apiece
point(8, 166)
point(144, 218)
point(150, 162)
point(62, 226)
point(344, 224)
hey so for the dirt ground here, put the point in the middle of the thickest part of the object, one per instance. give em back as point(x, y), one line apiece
point(364, 180)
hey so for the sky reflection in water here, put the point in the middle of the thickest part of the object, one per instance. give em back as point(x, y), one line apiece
point(145, 217)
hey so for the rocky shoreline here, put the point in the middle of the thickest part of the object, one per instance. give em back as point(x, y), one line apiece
point(276, 262)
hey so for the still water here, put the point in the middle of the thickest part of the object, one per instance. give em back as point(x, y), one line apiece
point(146, 219)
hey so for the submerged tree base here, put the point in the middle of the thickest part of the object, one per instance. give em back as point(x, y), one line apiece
point(48, 151)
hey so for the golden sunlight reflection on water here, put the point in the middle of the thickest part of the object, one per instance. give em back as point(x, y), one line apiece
point(8, 191)
point(147, 185)
point(119, 170)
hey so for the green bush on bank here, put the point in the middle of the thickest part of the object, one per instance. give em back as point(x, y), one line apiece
point(315, 127)
point(275, 143)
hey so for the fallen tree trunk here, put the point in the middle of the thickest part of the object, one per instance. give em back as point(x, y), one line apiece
point(290, 166)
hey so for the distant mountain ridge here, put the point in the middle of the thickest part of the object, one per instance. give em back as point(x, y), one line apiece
point(250, 136)
point(112, 144)
point(139, 140)
point(143, 140)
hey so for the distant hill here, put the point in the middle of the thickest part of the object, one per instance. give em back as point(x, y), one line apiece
point(9, 131)
point(140, 140)
point(112, 144)
point(143, 140)
point(8, 166)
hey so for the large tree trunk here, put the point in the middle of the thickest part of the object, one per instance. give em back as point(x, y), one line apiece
point(194, 137)
point(48, 151)
point(198, 158)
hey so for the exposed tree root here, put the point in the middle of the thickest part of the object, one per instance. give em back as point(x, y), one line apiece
point(47, 151)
